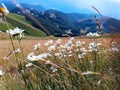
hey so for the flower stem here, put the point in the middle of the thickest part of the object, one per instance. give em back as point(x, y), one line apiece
point(21, 48)
point(10, 37)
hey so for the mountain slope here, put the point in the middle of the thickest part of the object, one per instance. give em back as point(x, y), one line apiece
point(113, 25)
point(59, 23)
point(15, 20)
point(73, 23)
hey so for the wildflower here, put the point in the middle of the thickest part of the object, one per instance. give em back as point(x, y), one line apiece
point(98, 83)
point(83, 42)
point(49, 43)
point(72, 45)
point(47, 62)
point(58, 41)
point(16, 32)
point(52, 48)
point(93, 34)
point(115, 49)
point(70, 52)
point(80, 56)
point(29, 65)
point(83, 49)
point(32, 57)
point(64, 55)
point(69, 48)
point(91, 62)
point(5, 58)
point(70, 55)
point(66, 45)
point(17, 50)
point(42, 56)
point(1, 73)
point(94, 46)
point(57, 54)
point(78, 43)
point(84, 53)
point(53, 68)
point(4, 9)
point(113, 44)
point(72, 39)
point(76, 50)
point(23, 71)
point(37, 46)
point(60, 55)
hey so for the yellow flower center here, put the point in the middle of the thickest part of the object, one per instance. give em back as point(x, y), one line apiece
point(2, 9)
point(36, 59)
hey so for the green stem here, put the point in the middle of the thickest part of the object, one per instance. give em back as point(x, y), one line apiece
point(21, 48)
point(19, 67)
point(10, 37)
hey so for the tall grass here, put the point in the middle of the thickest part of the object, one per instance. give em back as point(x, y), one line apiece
point(95, 70)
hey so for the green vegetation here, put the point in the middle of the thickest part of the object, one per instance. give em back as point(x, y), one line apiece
point(19, 17)
point(3, 26)
point(15, 20)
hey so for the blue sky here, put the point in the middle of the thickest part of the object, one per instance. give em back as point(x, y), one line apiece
point(106, 7)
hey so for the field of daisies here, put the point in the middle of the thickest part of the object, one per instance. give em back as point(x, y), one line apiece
point(60, 65)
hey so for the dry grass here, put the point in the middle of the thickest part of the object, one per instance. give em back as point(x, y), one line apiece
point(69, 75)
point(5, 45)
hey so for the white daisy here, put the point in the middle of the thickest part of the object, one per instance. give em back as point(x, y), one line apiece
point(1, 73)
point(15, 32)
point(29, 65)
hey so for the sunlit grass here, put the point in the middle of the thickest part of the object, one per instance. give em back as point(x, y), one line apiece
point(19, 17)
point(87, 63)
point(91, 72)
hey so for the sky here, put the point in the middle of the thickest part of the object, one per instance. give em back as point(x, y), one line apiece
point(106, 7)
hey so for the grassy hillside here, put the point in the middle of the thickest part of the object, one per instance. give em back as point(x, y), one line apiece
point(3, 26)
point(19, 17)
point(15, 20)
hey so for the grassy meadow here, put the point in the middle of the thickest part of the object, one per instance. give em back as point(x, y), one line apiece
point(60, 64)
point(91, 62)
